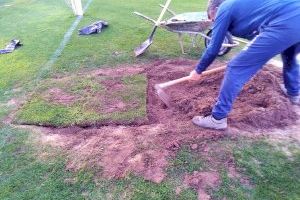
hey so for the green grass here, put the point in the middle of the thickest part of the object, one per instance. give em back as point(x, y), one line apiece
point(40, 112)
point(40, 30)
point(41, 25)
point(135, 188)
point(84, 111)
point(23, 176)
point(271, 172)
point(4, 111)
point(231, 188)
point(274, 174)
point(186, 161)
point(126, 31)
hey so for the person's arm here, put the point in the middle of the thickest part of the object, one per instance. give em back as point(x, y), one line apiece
point(220, 28)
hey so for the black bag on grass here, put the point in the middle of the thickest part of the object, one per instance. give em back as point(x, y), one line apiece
point(14, 44)
point(93, 28)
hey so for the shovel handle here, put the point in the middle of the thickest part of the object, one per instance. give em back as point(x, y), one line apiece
point(187, 78)
point(212, 71)
point(173, 82)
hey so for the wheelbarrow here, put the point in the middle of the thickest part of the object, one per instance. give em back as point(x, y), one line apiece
point(194, 24)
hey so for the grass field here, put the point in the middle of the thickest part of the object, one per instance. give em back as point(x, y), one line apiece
point(31, 170)
point(41, 30)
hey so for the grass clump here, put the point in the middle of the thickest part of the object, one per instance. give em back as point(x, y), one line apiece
point(231, 188)
point(186, 161)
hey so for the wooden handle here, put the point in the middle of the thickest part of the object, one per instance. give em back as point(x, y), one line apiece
point(163, 12)
point(174, 82)
point(187, 78)
point(211, 71)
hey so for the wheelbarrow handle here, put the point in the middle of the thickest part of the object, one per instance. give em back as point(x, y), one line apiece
point(158, 22)
point(165, 7)
point(168, 9)
point(144, 16)
point(235, 43)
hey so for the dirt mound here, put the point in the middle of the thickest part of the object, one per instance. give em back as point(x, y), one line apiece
point(261, 104)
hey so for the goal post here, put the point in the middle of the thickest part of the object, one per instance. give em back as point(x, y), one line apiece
point(76, 6)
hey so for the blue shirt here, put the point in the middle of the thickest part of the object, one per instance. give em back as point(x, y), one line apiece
point(245, 19)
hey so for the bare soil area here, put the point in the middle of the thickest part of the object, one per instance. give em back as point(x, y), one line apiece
point(144, 150)
point(261, 104)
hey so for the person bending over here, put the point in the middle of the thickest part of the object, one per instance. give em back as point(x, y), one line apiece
point(273, 26)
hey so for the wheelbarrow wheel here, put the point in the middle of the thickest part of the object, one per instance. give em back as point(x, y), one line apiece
point(228, 40)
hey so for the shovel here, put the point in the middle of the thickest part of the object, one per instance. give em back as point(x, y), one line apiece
point(144, 46)
point(165, 98)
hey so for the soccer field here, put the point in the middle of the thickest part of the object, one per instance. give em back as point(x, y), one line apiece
point(80, 120)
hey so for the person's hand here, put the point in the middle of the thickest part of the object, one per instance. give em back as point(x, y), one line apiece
point(194, 76)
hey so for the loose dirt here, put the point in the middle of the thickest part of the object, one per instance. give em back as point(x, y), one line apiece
point(261, 104)
point(144, 150)
point(201, 181)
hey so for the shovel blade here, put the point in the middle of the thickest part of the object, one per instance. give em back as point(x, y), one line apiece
point(142, 48)
point(162, 95)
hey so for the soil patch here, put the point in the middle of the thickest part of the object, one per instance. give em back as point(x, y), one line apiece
point(261, 104)
point(57, 95)
point(117, 151)
point(117, 97)
point(201, 181)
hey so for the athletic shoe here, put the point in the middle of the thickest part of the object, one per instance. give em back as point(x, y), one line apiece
point(210, 122)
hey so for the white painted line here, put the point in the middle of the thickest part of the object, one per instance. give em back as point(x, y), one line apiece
point(87, 5)
point(7, 5)
point(48, 66)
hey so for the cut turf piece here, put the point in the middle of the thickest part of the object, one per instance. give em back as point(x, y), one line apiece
point(88, 99)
